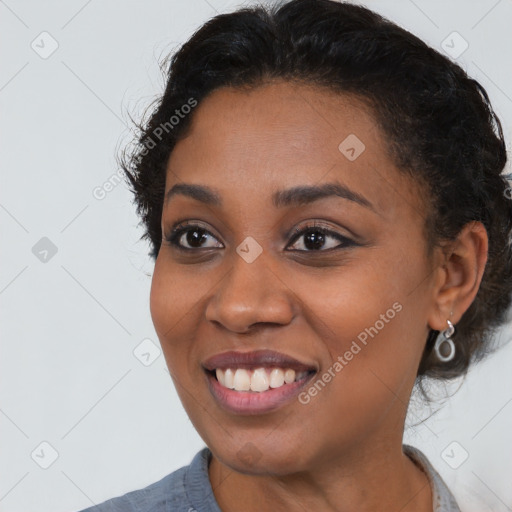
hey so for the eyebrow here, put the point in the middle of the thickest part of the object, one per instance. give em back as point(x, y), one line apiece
point(296, 196)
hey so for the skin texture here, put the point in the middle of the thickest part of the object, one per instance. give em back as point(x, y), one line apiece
point(342, 450)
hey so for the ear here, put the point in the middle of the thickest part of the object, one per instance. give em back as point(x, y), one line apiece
point(459, 275)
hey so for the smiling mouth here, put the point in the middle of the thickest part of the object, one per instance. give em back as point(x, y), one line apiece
point(255, 393)
point(258, 380)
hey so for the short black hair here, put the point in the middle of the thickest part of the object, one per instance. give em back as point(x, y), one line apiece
point(440, 127)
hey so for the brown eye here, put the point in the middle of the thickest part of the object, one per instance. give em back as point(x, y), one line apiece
point(317, 238)
point(191, 237)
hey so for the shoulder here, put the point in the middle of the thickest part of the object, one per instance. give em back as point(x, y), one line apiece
point(444, 501)
point(176, 491)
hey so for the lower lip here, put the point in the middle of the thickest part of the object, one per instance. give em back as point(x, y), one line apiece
point(252, 402)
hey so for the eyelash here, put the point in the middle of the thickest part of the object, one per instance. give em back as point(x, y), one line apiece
point(175, 234)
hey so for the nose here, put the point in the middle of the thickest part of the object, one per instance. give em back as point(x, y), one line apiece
point(250, 294)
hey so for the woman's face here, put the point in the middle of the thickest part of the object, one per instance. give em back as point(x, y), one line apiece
point(349, 305)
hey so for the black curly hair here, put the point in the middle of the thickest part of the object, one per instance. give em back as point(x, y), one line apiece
point(440, 126)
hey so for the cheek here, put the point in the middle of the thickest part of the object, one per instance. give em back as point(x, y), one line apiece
point(371, 327)
point(176, 291)
point(174, 306)
point(370, 368)
point(161, 299)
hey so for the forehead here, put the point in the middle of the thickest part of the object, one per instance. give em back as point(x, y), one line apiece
point(281, 135)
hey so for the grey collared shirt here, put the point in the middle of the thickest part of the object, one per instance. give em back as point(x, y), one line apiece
point(188, 489)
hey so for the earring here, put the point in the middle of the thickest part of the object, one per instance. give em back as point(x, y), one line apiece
point(448, 351)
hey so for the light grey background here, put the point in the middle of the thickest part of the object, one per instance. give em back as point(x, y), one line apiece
point(69, 325)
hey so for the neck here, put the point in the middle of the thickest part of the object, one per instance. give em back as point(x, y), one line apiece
point(377, 477)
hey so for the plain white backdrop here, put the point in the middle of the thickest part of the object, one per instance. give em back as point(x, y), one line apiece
point(87, 412)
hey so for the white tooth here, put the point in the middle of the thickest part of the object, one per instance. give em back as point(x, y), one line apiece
point(228, 378)
point(289, 376)
point(220, 376)
point(276, 378)
point(242, 380)
point(259, 380)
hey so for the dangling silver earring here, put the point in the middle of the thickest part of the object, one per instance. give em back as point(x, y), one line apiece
point(444, 338)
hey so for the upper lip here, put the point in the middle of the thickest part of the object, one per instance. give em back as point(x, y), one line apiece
point(255, 359)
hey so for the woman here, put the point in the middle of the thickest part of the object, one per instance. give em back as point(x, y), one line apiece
point(330, 225)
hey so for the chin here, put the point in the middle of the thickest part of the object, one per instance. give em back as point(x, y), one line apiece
point(259, 458)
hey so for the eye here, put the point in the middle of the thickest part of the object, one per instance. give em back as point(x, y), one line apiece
point(318, 238)
point(193, 235)
point(315, 238)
